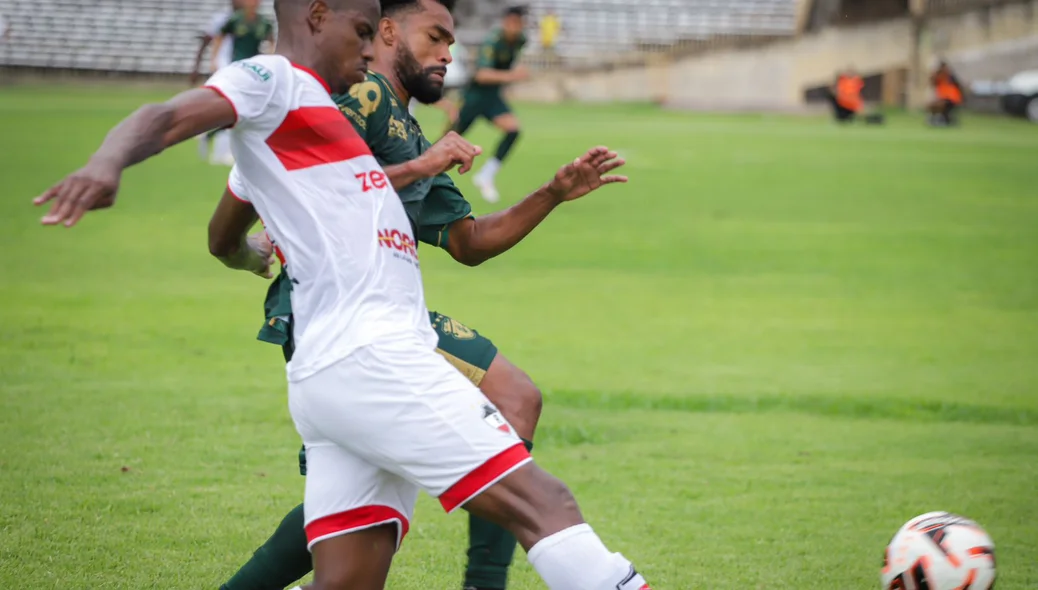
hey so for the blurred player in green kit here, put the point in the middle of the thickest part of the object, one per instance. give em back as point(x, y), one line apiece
point(411, 54)
point(495, 68)
point(245, 30)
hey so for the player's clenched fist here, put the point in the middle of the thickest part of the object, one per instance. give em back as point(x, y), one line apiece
point(585, 174)
point(93, 186)
point(452, 150)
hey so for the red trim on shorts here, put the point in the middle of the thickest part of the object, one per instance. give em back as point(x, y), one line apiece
point(484, 476)
point(357, 519)
point(235, 195)
point(314, 74)
point(229, 101)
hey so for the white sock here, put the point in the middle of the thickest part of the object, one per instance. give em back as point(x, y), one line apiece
point(489, 170)
point(576, 559)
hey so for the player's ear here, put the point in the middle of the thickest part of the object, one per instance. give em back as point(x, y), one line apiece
point(317, 14)
point(387, 31)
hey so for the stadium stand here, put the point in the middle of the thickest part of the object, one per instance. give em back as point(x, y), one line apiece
point(597, 29)
point(154, 36)
point(160, 36)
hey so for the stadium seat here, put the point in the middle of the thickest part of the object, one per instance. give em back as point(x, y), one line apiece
point(157, 36)
point(160, 36)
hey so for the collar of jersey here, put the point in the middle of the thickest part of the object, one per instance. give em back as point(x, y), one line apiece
point(385, 82)
point(314, 74)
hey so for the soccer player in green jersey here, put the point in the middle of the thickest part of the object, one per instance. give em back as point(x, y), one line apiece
point(495, 68)
point(248, 28)
point(410, 62)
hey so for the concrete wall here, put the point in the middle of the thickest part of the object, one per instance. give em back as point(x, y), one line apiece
point(774, 77)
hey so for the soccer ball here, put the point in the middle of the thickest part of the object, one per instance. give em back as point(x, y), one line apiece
point(939, 551)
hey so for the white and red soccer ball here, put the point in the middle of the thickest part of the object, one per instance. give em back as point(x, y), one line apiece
point(939, 551)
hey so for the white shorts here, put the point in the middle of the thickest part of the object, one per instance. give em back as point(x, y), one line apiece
point(386, 421)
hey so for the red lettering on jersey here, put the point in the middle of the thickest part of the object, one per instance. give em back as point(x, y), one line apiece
point(372, 179)
point(363, 178)
point(378, 179)
point(398, 240)
point(312, 136)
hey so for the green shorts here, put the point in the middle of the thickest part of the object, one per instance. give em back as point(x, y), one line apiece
point(462, 346)
point(480, 104)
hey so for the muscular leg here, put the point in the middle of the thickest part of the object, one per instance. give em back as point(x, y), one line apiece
point(370, 554)
point(507, 122)
point(467, 114)
point(515, 394)
point(491, 548)
point(543, 514)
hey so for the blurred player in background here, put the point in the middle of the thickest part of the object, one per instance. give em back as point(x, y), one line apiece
point(845, 96)
point(207, 37)
point(948, 96)
point(244, 31)
point(247, 29)
point(220, 58)
point(410, 49)
point(495, 68)
point(550, 27)
point(4, 29)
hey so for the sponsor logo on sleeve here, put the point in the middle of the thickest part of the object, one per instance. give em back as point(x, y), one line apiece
point(260, 72)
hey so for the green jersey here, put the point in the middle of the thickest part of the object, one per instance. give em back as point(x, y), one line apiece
point(247, 34)
point(497, 53)
point(395, 137)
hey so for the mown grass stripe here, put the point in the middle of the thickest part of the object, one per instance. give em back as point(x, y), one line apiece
point(844, 407)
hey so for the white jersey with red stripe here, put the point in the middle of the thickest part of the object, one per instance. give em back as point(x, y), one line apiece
point(330, 209)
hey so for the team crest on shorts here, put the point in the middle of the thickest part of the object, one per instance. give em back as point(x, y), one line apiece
point(493, 417)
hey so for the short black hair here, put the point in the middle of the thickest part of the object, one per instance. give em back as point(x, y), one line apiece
point(391, 7)
point(515, 11)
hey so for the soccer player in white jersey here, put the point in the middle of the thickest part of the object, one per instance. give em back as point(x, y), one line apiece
point(382, 415)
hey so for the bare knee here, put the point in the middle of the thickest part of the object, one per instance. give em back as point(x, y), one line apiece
point(531, 503)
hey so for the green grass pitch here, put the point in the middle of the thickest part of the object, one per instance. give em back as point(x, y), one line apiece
point(779, 342)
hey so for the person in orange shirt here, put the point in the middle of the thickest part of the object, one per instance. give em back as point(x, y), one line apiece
point(845, 96)
point(948, 96)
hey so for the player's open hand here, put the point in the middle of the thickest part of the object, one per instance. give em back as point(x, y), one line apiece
point(452, 150)
point(93, 186)
point(586, 174)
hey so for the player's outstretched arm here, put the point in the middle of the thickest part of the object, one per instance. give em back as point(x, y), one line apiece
point(493, 76)
point(230, 242)
point(474, 241)
point(145, 133)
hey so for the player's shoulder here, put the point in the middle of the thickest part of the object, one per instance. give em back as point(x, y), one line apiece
point(367, 97)
point(266, 68)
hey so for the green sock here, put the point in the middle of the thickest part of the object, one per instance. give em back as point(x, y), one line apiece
point(506, 145)
point(490, 552)
point(283, 559)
